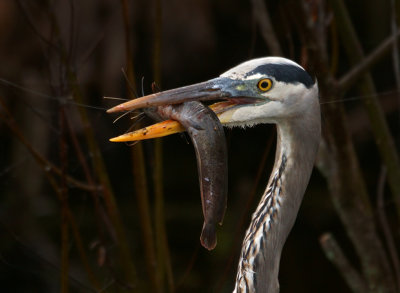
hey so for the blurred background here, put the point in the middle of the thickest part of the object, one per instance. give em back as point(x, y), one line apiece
point(81, 214)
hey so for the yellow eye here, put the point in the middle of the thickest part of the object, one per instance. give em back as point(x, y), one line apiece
point(264, 84)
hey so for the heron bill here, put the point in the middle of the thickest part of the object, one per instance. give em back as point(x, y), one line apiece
point(163, 128)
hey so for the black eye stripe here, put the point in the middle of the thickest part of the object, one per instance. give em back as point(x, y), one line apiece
point(285, 73)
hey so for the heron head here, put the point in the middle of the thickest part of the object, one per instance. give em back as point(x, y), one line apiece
point(262, 90)
point(267, 90)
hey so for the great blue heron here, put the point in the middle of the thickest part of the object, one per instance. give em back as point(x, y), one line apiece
point(265, 90)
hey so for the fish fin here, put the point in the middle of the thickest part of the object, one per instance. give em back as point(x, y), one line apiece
point(208, 236)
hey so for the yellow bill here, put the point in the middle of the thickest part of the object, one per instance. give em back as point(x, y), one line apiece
point(161, 129)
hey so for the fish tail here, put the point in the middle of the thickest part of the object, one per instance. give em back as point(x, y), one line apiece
point(208, 236)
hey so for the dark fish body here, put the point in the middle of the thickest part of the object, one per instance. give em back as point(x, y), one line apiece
point(208, 137)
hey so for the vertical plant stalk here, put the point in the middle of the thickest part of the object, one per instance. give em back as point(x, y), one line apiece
point(139, 172)
point(128, 46)
point(380, 129)
point(161, 239)
point(101, 214)
point(64, 206)
point(140, 183)
point(395, 48)
point(390, 242)
point(163, 253)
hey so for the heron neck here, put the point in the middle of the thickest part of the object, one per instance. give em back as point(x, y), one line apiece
point(297, 145)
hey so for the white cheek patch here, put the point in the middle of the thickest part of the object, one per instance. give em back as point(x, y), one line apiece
point(270, 97)
point(251, 114)
point(286, 93)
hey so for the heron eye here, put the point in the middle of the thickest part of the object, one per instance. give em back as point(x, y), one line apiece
point(264, 84)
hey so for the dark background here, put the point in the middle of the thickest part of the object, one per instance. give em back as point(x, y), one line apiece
point(57, 61)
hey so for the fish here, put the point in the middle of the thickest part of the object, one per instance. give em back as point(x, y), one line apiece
point(208, 138)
